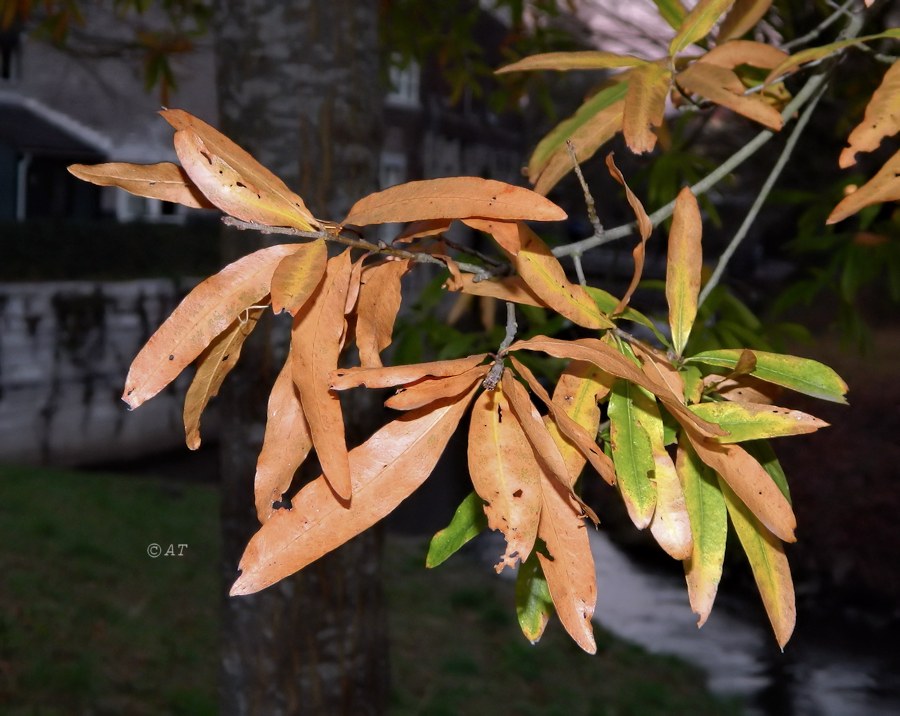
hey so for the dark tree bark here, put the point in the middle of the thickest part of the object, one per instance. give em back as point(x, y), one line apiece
point(299, 89)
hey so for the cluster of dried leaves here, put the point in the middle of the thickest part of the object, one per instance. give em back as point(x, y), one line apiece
point(744, 76)
point(676, 424)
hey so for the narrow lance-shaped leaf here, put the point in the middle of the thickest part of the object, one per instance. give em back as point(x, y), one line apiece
point(645, 105)
point(286, 443)
point(765, 552)
point(645, 228)
point(882, 118)
point(534, 605)
point(510, 288)
point(709, 529)
point(672, 11)
point(298, 276)
point(386, 469)
point(817, 53)
point(204, 313)
point(741, 19)
point(315, 347)
point(164, 181)
point(698, 23)
point(607, 304)
point(632, 454)
point(582, 60)
point(800, 374)
point(232, 179)
point(722, 86)
point(505, 474)
point(754, 421)
point(379, 301)
point(884, 186)
point(733, 53)
point(683, 266)
point(427, 390)
point(215, 363)
point(391, 376)
point(468, 522)
point(453, 198)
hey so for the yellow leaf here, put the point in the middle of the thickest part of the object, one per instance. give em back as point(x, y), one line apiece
point(562, 61)
point(753, 421)
point(505, 474)
point(391, 376)
point(386, 469)
point(882, 118)
point(813, 54)
point(165, 181)
point(379, 301)
point(698, 23)
point(722, 86)
point(453, 198)
point(204, 313)
point(427, 390)
point(232, 179)
point(884, 186)
point(298, 276)
point(286, 443)
point(214, 364)
point(645, 104)
point(741, 19)
point(315, 347)
point(683, 266)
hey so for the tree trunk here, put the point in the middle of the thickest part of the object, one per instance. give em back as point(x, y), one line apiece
point(299, 89)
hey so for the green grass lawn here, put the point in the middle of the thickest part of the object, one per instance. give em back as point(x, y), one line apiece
point(90, 623)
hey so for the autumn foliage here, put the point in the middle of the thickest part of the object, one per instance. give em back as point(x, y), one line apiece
point(681, 438)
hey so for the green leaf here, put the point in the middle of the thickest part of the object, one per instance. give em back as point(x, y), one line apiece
point(534, 605)
point(753, 421)
point(801, 374)
point(683, 267)
point(468, 521)
point(765, 552)
point(632, 453)
point(606, 302)
point(763, 453)
point(709, 527)
point(697, 24)
point(672, 11)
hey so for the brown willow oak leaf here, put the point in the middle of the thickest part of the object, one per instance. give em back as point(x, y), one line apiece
point(750, 482)
point(542, 272)
point(743, 388)
point(645, 105)
point(286, 443)
point(386, 469)
point(232, 179)
point(353, 289)
point(164, 181)
point(614, 363)
point(742, 18)
point(453, 198)
point(204, 313)
point(744, 52)
point(214, 364)
point(769, 564)
point(683, 267)
point(505, 474)
point(427, 390)
point(422, 229)
point(298, 276)
point(698, 23)
point(569, 569)
point(562, 61)
point(510, 288)
point(379, 301)
point(575, 434)
point(884, 186)
point(392, 376)
point(722, 86)
point(645, 228)
point(882, 118)
point(315, 346)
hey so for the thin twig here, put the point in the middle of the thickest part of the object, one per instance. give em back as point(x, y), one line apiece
point(744, 228)
point(820, 28)
point(579, 269)
point(472, 252)
point(588, 197)
point(492, 379)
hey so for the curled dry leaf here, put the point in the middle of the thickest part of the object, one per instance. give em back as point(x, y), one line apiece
point(298, 276)
point(286, 443)
point(204, 313)
point(645, 105)
point(683, 267)
point(392, 376)
point(884, 186)
point(645, 228)
point(214, 364)
point(743, 389)
point(422, 229)
point(164, 181)
point(427, 390)
point(232, 179)
point(882, 118)
point(505, 474)
point(353, 288)
point(453, 198)
point(386, 469)
point(315, 347)
point(379, 301)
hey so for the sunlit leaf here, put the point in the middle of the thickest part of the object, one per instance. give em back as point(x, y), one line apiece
point(632, 454)
point(709, 528)
point(427, 390)
point(884, 186)
point(214, 364)
point(205, 312)
point(752, 421)
point(771, 571)
point(534, 605)
point(164, 181)
point(583, 60)
point(392, 376)
point(683, 266)
point(742, 18)
point(800, 374)
point(722, 86)
point(232, 179)
point(645, 104)
point(453, 198)
point(468, 522)
point(698, 23)
point(379, 301)
point(315, 347)
point(882, 118)
point(297, 276)
point(386, 469)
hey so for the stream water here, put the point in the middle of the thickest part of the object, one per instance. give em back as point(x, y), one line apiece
point(830, 667)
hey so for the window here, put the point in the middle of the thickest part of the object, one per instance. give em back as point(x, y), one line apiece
point(404, 90)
